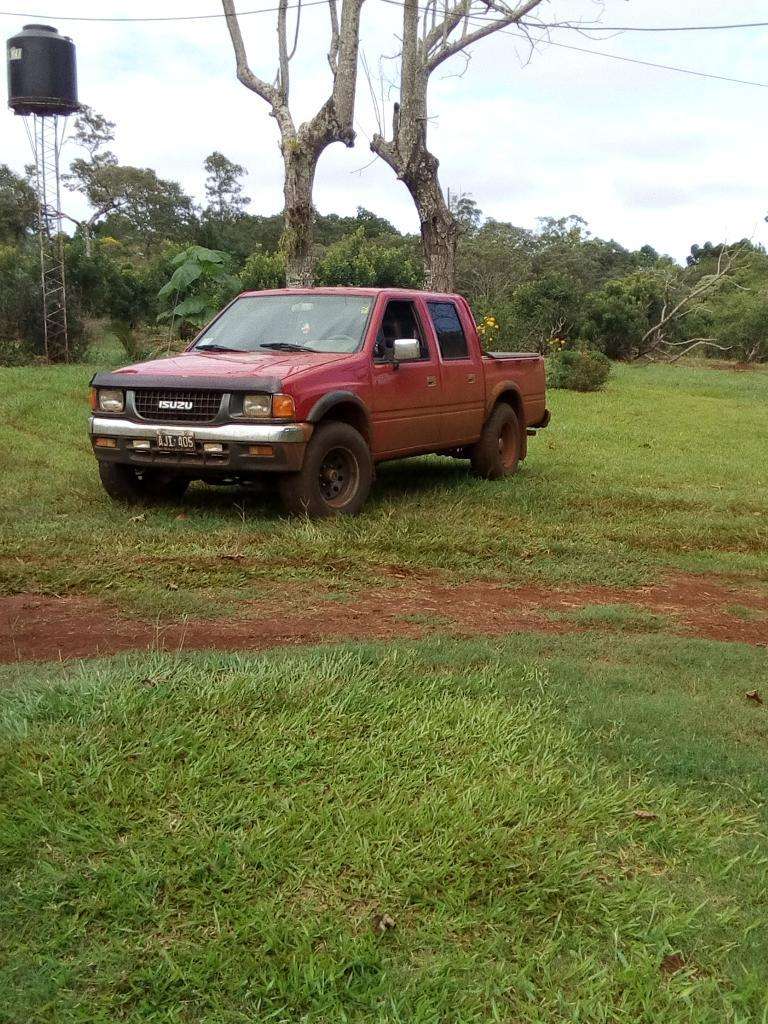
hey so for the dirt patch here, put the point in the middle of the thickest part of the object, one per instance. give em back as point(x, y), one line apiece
point(34, 627)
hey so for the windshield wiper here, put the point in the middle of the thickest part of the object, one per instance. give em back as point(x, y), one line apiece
point(287, 346)
point(215, 348)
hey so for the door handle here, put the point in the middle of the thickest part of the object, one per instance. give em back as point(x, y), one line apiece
point(471, 378)
point(431, 382)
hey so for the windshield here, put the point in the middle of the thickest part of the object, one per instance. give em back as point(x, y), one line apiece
point(290, 323)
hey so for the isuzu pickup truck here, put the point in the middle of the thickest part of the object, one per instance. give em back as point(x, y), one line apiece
point(311, 388)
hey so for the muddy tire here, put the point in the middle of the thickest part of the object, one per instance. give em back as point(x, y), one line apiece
point(335, 478)
point(500, 448)
point(141, 486)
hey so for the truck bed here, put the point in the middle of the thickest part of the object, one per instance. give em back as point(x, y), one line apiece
point(511, 355)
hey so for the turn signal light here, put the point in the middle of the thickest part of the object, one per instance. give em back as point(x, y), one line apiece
point(105, 442)
point(283, 407)
point(266, 451)
point(93, 399)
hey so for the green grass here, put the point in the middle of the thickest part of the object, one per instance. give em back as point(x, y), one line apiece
point(208, 838)
point(665, 469)
point(622, 617)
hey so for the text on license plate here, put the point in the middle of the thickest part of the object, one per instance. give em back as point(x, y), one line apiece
point(176, 442)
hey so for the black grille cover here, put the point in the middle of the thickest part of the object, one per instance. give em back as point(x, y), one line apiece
point(178, 406)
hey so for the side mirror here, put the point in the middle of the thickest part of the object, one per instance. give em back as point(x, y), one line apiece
point(405, 350)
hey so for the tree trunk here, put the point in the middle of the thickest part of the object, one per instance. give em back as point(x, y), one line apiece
point(88, 238)
point(299, 215)
point(409, 157)
point(439, 231)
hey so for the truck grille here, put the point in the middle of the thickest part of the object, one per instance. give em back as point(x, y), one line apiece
point(190, 406)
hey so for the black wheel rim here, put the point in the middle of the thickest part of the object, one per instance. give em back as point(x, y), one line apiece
point(338, 477)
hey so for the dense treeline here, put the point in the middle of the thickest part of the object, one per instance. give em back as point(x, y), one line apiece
point(152, 265)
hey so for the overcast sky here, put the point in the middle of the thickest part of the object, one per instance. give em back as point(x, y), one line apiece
point(644, 155)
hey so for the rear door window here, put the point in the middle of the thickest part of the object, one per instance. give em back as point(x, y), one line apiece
point(450, 333)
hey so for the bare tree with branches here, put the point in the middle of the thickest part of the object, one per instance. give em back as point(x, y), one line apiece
point(302, 146)
point(431, 35)
point(682, 298)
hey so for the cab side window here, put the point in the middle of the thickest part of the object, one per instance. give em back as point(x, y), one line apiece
point(450, 333)
point(400, 320)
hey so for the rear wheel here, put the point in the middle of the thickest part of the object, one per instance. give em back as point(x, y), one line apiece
point(141, 486)
point(335, 478)
point(500, 447)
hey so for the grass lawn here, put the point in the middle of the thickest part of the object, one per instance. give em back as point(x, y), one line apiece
point(210, 838)
point(563, 828)
point(665, 469)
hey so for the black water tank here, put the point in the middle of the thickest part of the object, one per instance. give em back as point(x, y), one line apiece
point(42, 73)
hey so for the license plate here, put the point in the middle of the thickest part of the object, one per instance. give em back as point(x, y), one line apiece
point(178, 442)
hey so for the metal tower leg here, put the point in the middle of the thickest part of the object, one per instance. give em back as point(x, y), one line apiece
point(48, 135)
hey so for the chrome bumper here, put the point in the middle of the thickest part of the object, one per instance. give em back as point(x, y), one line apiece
point(242, 433)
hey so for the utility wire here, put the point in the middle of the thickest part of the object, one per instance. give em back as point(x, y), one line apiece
point(521, 35)
point(155, 18)
point(636, 60)
point(316, 3)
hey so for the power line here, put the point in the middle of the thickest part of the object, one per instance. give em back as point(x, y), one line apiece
point(316, 3)
point(670, 28)
point(636, 60)
point(398, 3)
point(156, 18)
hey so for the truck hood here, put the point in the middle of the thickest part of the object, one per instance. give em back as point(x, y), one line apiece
point(189, 365)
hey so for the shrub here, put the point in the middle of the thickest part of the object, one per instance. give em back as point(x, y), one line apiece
point(357, 261)
point(263, 270)
point(16, 352)
point(578, 370)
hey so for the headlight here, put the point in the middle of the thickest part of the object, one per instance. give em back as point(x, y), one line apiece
point(111, 400)
point(257, 406)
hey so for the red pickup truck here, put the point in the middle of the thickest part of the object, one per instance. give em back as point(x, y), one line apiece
point(313, 387)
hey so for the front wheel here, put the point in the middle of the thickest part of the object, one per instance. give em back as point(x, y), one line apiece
point(141, 486)
point(335, 478)
point(499, 450)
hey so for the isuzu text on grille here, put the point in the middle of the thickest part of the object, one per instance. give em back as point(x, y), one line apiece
point(176, 404)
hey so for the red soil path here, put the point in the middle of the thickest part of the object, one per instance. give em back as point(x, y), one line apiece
point(34, 627)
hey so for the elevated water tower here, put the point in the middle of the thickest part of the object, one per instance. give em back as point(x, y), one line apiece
point(42, 88)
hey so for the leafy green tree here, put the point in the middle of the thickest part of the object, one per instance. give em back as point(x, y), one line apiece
point(619, 314)
point(332, 227)
point(739, 325)
point(200, 284)
point(18, 206)
point(492, 262)
point(222, 187)
point(466, 212)
point(572, 229)
point(545, 308)
point(150, 209)
point(135, 200)
point(93, 175)
point(358, 262)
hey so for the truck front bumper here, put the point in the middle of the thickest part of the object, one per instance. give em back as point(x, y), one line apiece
point(230, 447)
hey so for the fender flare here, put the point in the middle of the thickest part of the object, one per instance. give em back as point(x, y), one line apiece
point(502, 389)
point(327, 403)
